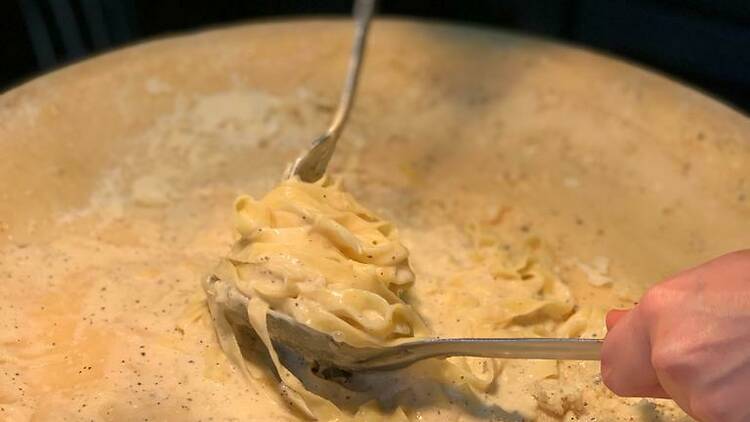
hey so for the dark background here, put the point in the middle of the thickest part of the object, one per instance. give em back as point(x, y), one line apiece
point(703, 42)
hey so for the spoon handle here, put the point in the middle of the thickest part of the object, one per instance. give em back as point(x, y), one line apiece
point(517, 348)
point(506, 348)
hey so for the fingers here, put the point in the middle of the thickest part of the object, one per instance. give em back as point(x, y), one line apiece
point(626, 357)
point(688, 335)
point(614, 316)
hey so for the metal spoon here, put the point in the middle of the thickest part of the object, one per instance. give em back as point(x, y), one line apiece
point(326, 352)
point(312, 165)
point(323, 351)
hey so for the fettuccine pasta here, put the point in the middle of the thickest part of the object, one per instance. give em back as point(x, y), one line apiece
point(314, 253)
point(310, 250)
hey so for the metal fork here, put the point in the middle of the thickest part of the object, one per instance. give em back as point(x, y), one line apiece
point(312, 165)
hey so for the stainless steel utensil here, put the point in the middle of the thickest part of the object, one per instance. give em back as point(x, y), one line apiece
point(312, 165)
point(326, 352)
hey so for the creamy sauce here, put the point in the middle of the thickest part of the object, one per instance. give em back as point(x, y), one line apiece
point(107, 322)
point(105, 317)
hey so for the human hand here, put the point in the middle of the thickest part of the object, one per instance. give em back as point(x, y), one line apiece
point(688, 339)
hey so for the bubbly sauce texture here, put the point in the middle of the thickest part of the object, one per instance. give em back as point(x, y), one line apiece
point(105, 317)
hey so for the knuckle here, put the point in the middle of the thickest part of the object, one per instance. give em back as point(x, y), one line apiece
point(675, 360)
point(664, 360)
point(654, 300)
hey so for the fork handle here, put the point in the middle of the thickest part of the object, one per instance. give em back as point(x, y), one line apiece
point(363, 11)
